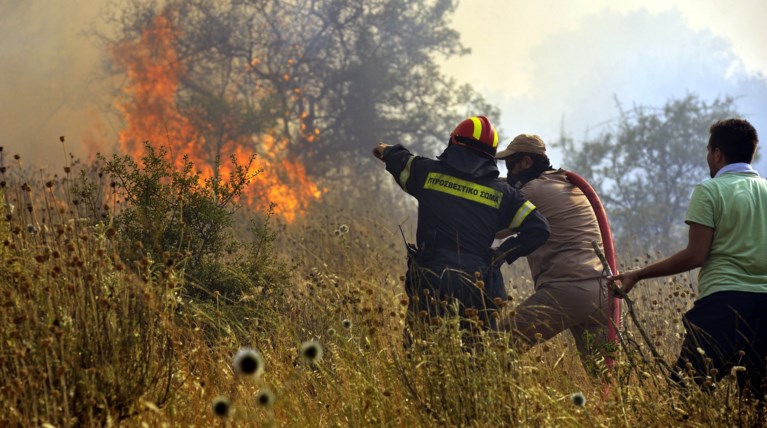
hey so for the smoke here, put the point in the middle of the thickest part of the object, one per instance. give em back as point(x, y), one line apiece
point(638, 58)
point(53, 81)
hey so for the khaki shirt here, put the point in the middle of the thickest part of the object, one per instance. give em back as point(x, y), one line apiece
point(568, 255)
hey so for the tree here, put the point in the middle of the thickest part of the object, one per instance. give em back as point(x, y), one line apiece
point(322, 76)
point(645, 165)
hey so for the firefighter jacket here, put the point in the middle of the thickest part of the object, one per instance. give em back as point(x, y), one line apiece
point(461, 206)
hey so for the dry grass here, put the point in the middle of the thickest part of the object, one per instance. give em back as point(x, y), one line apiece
point(91, 338)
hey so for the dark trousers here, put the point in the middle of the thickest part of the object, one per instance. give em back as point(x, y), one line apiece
point(443, 291)
point(725, 330)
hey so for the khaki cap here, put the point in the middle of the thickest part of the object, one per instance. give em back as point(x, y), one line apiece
point(523, 143)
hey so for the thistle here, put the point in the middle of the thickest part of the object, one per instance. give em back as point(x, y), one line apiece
point(578, 399)
point(221, 407)
point(248, 362)
point(311, 351)
point(265, 398)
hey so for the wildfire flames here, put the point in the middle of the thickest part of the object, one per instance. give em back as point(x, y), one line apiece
point(153, 70)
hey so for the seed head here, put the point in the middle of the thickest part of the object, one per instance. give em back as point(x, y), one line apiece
point(578, 399)
point(347, 324)
point(221, 406)
point(331, 332)
point(311, 351)
point(735, 369)
point(248, 362)
point(344, 229)
point(265, 398)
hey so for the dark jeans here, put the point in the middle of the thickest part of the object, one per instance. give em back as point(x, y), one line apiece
point(723, 330)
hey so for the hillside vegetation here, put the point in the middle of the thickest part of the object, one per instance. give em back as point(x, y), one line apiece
point(128, 288)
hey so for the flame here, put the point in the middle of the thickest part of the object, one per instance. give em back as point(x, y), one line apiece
point(153, 70)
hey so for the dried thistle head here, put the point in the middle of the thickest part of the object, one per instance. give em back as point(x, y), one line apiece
point(221, 406)
point(578, 399)
point(311, 351)
point(248, 362)
point(264, 397)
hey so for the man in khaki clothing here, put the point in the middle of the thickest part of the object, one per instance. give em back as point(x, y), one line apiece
point(565, 270)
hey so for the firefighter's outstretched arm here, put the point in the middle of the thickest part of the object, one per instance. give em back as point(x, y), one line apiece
point(398, 161)
point(531, 233)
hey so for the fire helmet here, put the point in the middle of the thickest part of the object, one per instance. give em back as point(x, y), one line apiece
point(476, 133)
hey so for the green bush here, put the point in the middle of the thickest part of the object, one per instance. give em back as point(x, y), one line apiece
point(175, 216)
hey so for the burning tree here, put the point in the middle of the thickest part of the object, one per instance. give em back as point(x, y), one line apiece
point(153, 113)
point(308, 82)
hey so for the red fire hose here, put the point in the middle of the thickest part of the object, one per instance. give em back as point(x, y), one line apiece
point(609, 248)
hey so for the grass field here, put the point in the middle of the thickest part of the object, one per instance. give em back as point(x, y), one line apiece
point(99, 328)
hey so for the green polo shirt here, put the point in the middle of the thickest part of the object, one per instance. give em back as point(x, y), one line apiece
point(735, 206)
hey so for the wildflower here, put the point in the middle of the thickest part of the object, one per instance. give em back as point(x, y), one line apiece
point(311, 351)
point(265, 398)
point(344, 229)
point(248, 362)
point(221, 407)
point(578, 399)
point(347, 324)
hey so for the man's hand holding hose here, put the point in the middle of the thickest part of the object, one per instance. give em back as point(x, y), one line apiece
point(627, 279)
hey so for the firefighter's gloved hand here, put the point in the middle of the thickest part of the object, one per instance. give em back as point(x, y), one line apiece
point(379, 149)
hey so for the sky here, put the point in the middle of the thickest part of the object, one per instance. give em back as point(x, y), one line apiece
point(546, 64)
point(554, 64)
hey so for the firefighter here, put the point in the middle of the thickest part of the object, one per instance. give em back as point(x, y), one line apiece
point(565, 270)
point(461, 206)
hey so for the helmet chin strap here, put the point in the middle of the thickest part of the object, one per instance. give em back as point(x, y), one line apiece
point(473, 144)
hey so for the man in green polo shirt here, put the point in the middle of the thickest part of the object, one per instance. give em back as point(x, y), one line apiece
point(727, 216)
